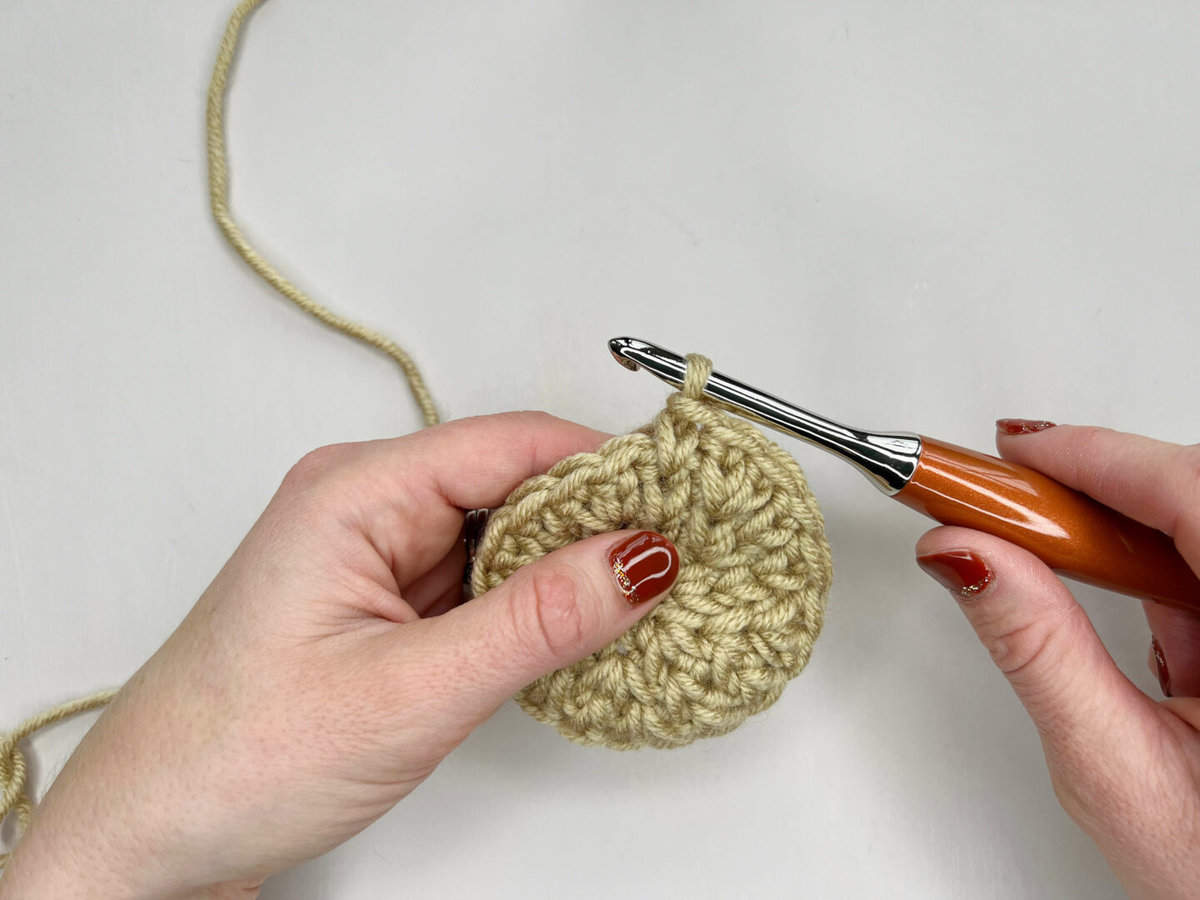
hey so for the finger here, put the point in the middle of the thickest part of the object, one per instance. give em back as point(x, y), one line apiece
point(451, 597)
point(476, 463)
point(1176, 660)
point(1039, 637)
point(409, 492)
point(433, 585)
point(1155, 482)
point(1117, 760)
point(1152, 481)
point(547, 615)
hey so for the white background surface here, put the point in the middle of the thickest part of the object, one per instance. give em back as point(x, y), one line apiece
point(916, 216)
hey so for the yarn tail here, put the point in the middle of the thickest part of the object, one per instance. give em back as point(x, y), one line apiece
point(218, 192)
point(13, 769)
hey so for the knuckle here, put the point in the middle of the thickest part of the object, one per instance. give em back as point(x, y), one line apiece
point(1070, 793)
point(1019, 649)
point(548, 615)
point(535, 420)
point(1088, 458)
point(1088, 792)
point(1089, 435)
point(1025, 651)
point(531, 415)
point(1189, 463)
point(1184, 522)
point(314, 467)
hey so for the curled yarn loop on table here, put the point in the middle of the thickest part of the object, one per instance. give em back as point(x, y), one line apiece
point(755, 570)
point(13, 770)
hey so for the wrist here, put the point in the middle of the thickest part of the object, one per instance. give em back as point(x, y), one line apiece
point(37, 870)
point(40, 866)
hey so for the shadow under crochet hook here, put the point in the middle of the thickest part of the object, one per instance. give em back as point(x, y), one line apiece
point(1067, 530)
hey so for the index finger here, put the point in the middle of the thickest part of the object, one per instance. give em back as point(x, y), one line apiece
point(1155, 482)
point(409, 491)
point(477, 462)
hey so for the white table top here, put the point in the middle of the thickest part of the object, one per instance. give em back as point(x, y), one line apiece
point(912, 217)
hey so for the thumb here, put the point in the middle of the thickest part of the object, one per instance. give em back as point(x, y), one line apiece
point(1039, 637)
point(549, 614)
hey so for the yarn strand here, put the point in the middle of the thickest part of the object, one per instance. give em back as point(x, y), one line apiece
point(13, 769)
point(14, 799)
point(218, 192)
point(740, 621)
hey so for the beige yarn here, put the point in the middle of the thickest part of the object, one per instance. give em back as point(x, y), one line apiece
point(755, 566)
point(218, 194)
point(13, 798)
point(13, 770)
point(755, 570)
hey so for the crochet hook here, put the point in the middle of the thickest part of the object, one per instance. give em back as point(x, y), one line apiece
point(1067, 530)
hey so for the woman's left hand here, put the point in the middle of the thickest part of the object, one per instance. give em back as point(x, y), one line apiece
point(325, 672)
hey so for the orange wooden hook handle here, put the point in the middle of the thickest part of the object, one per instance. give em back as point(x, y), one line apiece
point(1070, 532)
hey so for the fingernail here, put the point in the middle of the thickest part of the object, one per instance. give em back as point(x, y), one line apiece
point(1022, 426)
point(1160, 667)
point(959, 571)
point(645, 565)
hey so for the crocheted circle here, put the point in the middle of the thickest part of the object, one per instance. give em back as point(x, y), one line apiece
point(749, 601)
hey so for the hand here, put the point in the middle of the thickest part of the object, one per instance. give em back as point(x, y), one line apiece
point(325, 672)
point(1125, 767)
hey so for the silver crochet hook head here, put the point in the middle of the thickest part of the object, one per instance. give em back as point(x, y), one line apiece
point(634, 354)
point(888, 459)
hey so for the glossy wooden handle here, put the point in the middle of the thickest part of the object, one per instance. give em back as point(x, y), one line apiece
point(1067, 530)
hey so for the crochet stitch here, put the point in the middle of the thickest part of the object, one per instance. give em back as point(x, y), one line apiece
point(755, 570)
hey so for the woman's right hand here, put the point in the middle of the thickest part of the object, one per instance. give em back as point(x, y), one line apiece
point(1125, 766)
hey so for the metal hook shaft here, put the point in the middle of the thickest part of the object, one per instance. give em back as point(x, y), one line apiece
point(888, 459)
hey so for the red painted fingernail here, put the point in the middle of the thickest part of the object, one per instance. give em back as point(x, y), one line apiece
point(645, 565)
point(1160, 667)
point(960, 571)
point(1022, 426)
